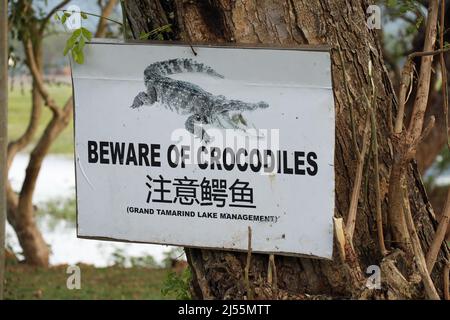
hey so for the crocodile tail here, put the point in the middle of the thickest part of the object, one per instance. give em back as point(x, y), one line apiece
point(173, 66)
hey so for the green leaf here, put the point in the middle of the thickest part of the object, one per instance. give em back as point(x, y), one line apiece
point(80, 57)
point(144, 35)
point(86, 33)
point(419, 22)
point(392, 3)
point(66, 49)
point(81, 44)
point(73, 38)
point(83, 15)
point(63, 19)
point(77, 33)
point(75, 56)
point(70, 43)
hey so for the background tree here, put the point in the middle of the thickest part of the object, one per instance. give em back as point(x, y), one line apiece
point(28, 24)
point(432, 152)
point(3, 131)
point(378, 206)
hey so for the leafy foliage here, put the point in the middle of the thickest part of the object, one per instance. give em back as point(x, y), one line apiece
point(404, 6)
point(121, 260)
point(22, 15)
point(178, 285)
point(156, 34)
point(76, 42)
point(411, 11)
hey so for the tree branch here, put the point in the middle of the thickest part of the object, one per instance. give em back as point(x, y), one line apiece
point(58, 123)
point(443, 69)
point(106, 12)
point(439, 236)
point(379, 214)
point(60, 120)
point(353, 208)
point(51, 13)
point(37, 77)
point(406, 141)
point(423, 89)
point(17, 145)
point(247, 266)
point(430, 289)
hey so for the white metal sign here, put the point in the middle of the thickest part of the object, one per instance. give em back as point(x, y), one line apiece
point(191, 146)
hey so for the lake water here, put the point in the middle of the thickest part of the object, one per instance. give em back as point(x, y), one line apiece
point(56, 181)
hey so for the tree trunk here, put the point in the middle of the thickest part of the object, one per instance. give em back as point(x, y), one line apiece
point(342, 25)
point(21, 212)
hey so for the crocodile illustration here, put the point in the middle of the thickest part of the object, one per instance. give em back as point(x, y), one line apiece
point(185, 98)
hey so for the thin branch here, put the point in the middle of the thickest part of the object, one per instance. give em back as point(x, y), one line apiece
point(406, 142)
point(443, 70)
point(423, 88)
point(426, 131)
point(439, 236)
point(95, 15)
point(353, 208)
point(124, 20)
point(430, 289)
point(272, 277)
point(247, 266)
point(374, 142)
point(379, 213)
point(340, 237)
point(405, 83)
point(427, 53)
point(51, 13)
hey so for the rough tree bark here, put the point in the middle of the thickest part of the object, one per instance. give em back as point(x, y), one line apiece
point(340, 24)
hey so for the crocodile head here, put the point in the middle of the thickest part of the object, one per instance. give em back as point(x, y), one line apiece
point(229, 119)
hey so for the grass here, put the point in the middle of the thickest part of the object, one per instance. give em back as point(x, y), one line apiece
point(117, 283)
point(19, 115)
